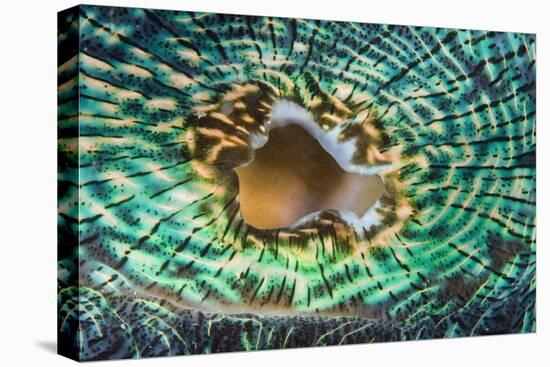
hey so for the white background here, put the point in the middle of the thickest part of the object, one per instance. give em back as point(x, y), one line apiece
point(28, 182)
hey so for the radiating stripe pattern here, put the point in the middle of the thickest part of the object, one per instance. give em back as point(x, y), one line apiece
point(157, 107)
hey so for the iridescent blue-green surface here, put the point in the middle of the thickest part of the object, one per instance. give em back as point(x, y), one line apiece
point(154, 256)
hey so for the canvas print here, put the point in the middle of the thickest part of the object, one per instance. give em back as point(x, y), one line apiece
point(241, 183)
